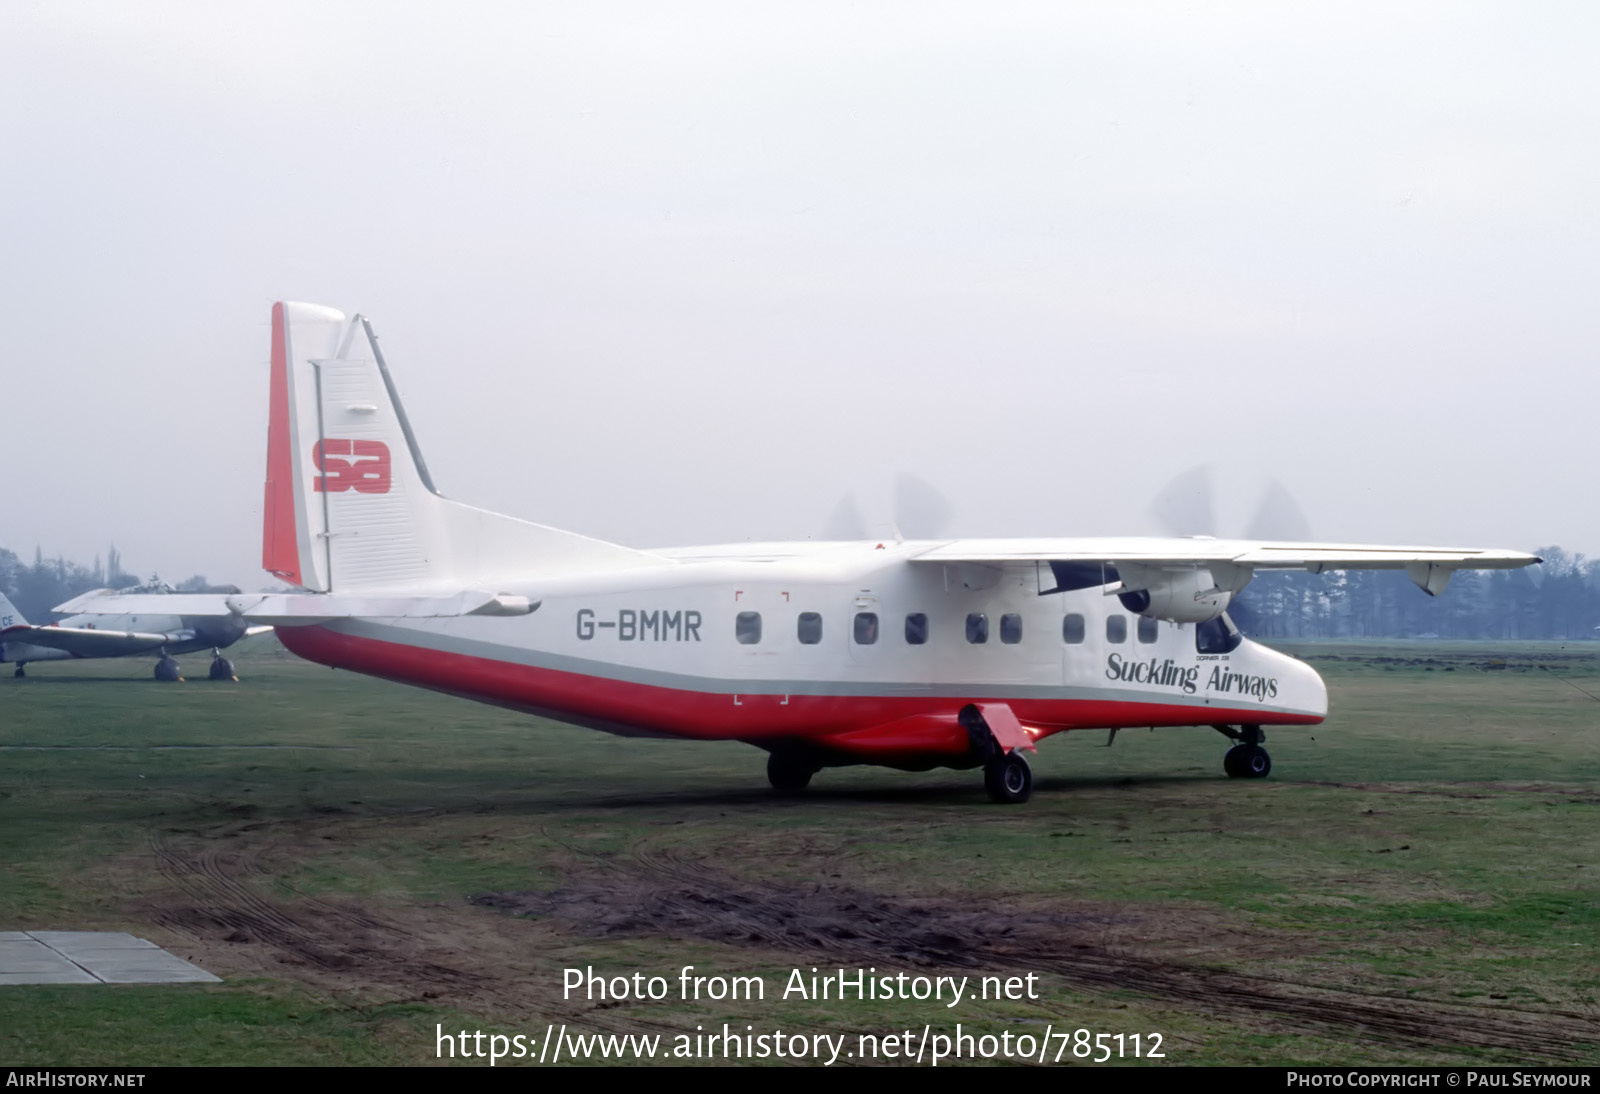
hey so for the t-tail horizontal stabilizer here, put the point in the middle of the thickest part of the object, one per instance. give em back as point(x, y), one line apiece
point(288, 609)
point(350, 506)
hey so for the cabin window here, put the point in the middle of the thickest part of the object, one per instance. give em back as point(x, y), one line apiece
point(916, 629)
point(1072, 629)
point(866, 628)
point(1011, 628)
point(1147, 630)
point(1116, 628)
point(1217, 635)
point(977, 628)
point(747, 628)
point(810, 628)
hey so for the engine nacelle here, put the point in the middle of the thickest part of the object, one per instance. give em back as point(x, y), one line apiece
point(1182, 596)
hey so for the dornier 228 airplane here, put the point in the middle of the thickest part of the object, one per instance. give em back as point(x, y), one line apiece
point(160, 628)
point(913, 655)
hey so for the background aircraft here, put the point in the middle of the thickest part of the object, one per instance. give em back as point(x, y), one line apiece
point(128, 634)
point(909, 654)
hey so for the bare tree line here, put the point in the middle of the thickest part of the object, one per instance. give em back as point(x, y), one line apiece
point(1558, 600)
point(35, 589)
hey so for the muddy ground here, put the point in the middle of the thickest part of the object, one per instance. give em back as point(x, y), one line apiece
point(222, 892)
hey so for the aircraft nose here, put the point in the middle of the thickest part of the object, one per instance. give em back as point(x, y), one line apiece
point(1300, 687)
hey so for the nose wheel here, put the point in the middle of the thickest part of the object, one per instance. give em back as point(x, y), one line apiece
point(1246, 759)
point(1247, 762)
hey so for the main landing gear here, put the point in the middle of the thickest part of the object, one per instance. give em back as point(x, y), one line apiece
point(1247, 759)
point(1008, 778)
point(222, 668)
point(168, 671)
point(18, 671)
point(788, 772)
point(1007, 775)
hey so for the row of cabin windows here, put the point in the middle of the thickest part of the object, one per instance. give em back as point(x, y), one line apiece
point(747, 628)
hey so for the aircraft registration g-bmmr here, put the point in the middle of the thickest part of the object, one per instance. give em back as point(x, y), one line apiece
point(958, 653)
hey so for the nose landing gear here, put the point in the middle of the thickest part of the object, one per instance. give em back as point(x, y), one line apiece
point(1247, 759)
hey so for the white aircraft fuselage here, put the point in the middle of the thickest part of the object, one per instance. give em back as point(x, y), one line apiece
point(848, 650)
point(907, 654)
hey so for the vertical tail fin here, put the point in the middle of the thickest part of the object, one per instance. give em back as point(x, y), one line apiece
point(9, 616)
point(349, 501)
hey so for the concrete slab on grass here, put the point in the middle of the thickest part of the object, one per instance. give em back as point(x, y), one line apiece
point(91, 957)
point(30, 962)
point(68, 941)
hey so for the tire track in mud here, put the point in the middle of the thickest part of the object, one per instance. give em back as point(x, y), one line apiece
point(1489, 791)
point(656, 892)
point(220, 903)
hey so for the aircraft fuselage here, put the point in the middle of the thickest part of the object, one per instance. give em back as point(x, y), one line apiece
point(847, 649)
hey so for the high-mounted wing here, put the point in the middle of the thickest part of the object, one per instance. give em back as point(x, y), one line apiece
point(1192, 579)
point(92, 642)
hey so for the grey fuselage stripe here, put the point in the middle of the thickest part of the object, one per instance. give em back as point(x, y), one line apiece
point(708, 685)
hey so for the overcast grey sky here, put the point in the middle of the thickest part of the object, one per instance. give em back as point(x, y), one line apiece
point(676, 273)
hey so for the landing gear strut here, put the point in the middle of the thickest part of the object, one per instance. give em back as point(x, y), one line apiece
point(789, 773)
point(167, 670)
point(1007, 775)
point(1247, 759)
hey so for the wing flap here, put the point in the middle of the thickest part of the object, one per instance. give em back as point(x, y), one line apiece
point(1191, 551)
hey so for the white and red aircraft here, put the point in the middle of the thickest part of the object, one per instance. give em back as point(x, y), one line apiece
point(913, 655)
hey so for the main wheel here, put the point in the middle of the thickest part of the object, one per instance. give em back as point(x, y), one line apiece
point(1008, 778)
point(787, 773)
point(222, 669)
point(167, 671)
point(19, 672)
point(1247, 762)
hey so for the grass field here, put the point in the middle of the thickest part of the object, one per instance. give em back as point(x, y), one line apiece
point(363, 863)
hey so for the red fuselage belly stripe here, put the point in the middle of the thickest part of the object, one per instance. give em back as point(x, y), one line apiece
point(929, 722)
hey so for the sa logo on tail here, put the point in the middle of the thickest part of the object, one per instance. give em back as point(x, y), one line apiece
point(364, 476)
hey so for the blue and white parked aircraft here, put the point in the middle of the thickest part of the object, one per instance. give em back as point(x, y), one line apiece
point(160, 630)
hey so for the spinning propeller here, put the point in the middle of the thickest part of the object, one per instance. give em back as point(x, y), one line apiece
point(1185, 508)
point(921, 511)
